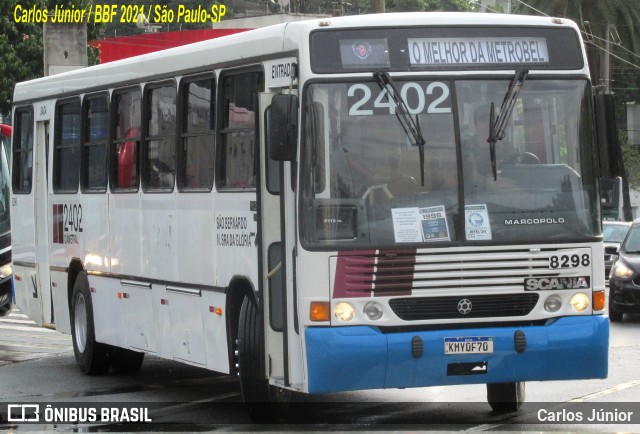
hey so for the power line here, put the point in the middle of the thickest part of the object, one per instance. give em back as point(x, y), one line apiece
point(477, 2)
point(613, 43)
point(594, 37)
point(531, 7)
point(581, 31)
point(613, 55)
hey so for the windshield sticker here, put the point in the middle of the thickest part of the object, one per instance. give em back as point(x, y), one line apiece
point(416, 225)
point(434, 224)
point(406, 225)
point(476, 222)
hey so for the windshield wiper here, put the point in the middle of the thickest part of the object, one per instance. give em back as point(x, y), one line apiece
point(410, 126)
point(497, 127)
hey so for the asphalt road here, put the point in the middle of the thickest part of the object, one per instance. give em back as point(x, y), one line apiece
point(38, 367)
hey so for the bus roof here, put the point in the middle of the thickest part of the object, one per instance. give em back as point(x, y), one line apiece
point(264, 42)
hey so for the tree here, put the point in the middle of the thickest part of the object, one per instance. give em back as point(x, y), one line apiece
point(20, 51)
point(600, 20)
point(364, 6)
point(616, 21)
point(21, 48)
point(631, 159)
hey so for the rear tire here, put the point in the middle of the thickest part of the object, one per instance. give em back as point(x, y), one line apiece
point(506, 397)
point(124, 361)
point(264, 403)
point(92, 357)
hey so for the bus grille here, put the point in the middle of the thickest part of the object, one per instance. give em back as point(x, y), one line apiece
point(410, 272)
point(481, 306)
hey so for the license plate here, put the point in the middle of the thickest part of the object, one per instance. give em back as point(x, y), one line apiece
point(469, 345)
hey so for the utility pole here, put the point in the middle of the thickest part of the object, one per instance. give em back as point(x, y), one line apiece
point(606, 63)
point(377, 6)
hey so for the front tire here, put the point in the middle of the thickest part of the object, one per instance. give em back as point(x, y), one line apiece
point(92, 357)
point(124, 361)
point(264, 403)
point(506, 397)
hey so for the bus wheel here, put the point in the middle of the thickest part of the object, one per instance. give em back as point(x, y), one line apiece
point(614, 315)
point(264, 403)
point(124, 361)
point(505, 397)
point(92, 357)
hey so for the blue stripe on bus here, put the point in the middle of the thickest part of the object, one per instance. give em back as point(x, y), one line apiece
point(361, 357)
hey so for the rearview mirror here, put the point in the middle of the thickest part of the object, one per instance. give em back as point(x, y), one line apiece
point(282, 128)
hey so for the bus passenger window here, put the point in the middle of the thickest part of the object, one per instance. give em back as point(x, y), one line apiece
point(22, 152)
point(66, 157)
point(160, 155)
point(95, 140)
point(195, 170)
point(237, 138)
point(126, 143)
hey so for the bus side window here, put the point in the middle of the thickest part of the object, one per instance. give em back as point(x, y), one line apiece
point(125, 147)
point(22, 152)
point(94, 146)
point(159, 159)
point(197, 151)
point(237, 136)
point(66, 157)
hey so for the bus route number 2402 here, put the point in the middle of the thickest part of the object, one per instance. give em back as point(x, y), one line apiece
point(72, 217)
point(67, 223)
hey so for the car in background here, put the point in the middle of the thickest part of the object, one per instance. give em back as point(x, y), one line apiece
point(613, 232)
point(624, 280)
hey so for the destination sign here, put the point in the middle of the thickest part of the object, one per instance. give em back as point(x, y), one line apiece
point(442, 48)
point(477, 51)
point(471, 51)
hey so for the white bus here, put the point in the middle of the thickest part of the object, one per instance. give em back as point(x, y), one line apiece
point(367, 202)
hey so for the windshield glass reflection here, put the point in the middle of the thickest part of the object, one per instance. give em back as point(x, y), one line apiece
point(361, 174)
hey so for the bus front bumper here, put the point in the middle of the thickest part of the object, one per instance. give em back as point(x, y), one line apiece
point(363, 357)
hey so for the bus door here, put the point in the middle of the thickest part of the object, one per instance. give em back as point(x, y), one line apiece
point(42, 284)
point(277, 223)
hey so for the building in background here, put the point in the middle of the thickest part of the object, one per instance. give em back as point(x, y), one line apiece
point(65, 47)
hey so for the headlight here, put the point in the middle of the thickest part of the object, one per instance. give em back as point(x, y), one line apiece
point(5, 271)
point(553, 303)
point(621, 270)
point(373, 310)
point(344, 311)
point(579, 302)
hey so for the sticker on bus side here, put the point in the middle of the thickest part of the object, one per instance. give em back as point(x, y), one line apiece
point(235, 230)
point(67, 223)
point(280, 71)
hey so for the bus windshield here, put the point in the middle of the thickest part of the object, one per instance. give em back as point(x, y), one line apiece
point(365, 185)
